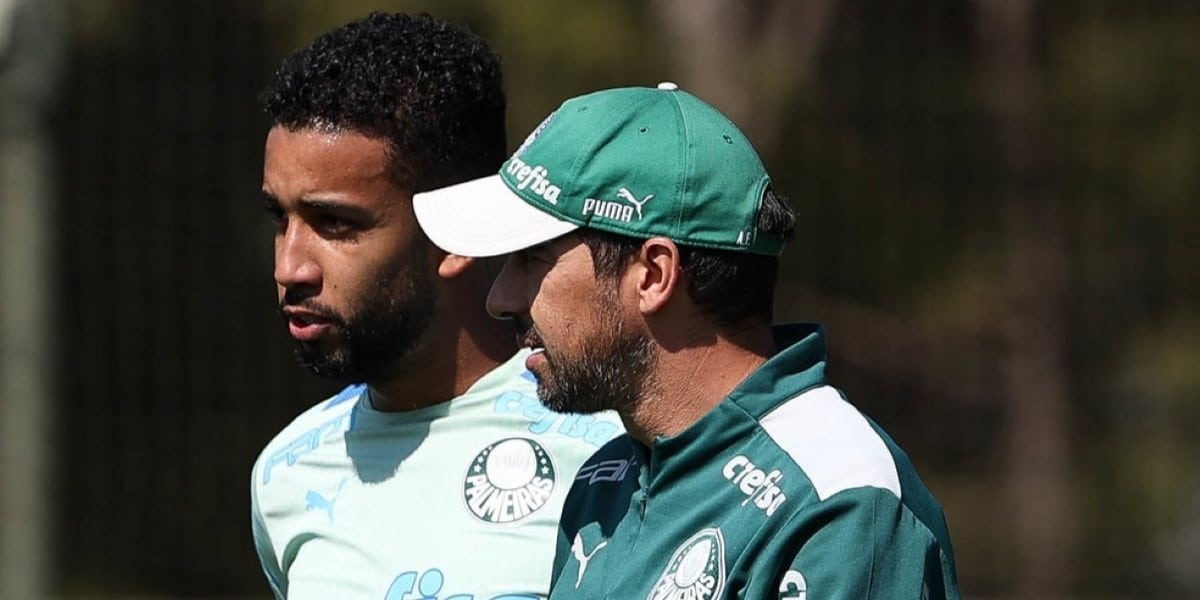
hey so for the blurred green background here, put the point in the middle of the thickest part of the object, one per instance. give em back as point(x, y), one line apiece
point(998, 228)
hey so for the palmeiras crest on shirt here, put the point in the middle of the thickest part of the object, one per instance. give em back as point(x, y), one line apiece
point(509, 480)
point(696, 570)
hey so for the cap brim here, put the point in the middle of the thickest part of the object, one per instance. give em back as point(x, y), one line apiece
point(484, 218)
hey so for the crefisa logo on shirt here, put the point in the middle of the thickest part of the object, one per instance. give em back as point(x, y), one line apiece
point(696, 570)
point(757, 484)
point(509, 480)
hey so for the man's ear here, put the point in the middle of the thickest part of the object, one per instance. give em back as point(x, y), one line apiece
point(658, 275)
point(453, 265)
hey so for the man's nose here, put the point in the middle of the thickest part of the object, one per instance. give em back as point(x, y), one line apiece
point(294, 264)
point(505, 300)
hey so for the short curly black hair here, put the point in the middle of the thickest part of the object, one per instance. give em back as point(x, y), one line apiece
point(431, 89)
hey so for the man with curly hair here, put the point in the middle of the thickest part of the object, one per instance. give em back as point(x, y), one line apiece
point(437, 473)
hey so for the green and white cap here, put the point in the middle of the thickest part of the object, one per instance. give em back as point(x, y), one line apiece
point(640, 162)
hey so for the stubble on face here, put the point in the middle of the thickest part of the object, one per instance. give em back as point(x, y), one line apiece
point(356, 265)
point(610, 371)
point(380, 339)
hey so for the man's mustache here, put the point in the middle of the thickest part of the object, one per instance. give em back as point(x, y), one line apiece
point(296, 300)
point(527, 334)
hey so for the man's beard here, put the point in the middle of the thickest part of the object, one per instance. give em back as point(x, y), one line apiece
point(377, 342)
point(611, 373)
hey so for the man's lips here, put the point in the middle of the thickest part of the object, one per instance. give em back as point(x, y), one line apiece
point(305, 326)
point(535, 360)
point(530, 339)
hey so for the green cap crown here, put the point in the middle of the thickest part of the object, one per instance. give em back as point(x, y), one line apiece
point(646, 162)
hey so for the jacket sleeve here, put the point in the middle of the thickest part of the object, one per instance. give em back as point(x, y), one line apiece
point(860, 543)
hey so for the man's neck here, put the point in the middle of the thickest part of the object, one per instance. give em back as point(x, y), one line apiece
point(691, 381)
point(462, 345)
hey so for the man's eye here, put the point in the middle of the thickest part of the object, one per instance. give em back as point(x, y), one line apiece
point(336, 226)
point(276, 214)
point(535, 257)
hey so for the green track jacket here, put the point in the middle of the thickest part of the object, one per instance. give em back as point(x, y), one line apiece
point(784, 490)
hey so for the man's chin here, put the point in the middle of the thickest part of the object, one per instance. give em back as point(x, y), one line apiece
point(322, 362)
point(558, 400)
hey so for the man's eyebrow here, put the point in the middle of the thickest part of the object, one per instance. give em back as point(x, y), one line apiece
point(319, 205)
point(324, 204)
point(331, 205)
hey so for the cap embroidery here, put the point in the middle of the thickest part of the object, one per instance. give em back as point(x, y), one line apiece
point(534, 134)
point(625, 194)
point(616, 211)
point(534, 177)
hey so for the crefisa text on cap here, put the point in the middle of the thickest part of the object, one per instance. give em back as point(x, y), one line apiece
point(536, 178)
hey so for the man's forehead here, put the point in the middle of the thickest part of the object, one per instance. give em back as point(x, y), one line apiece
point(301, 162)
point(327, 140)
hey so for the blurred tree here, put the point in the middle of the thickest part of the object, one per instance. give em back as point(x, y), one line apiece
point(750, 59)
point(32, 44)
point(1038, 476)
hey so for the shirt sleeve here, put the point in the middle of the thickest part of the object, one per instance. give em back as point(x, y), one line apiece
point(860, 543)
point(262, 544)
